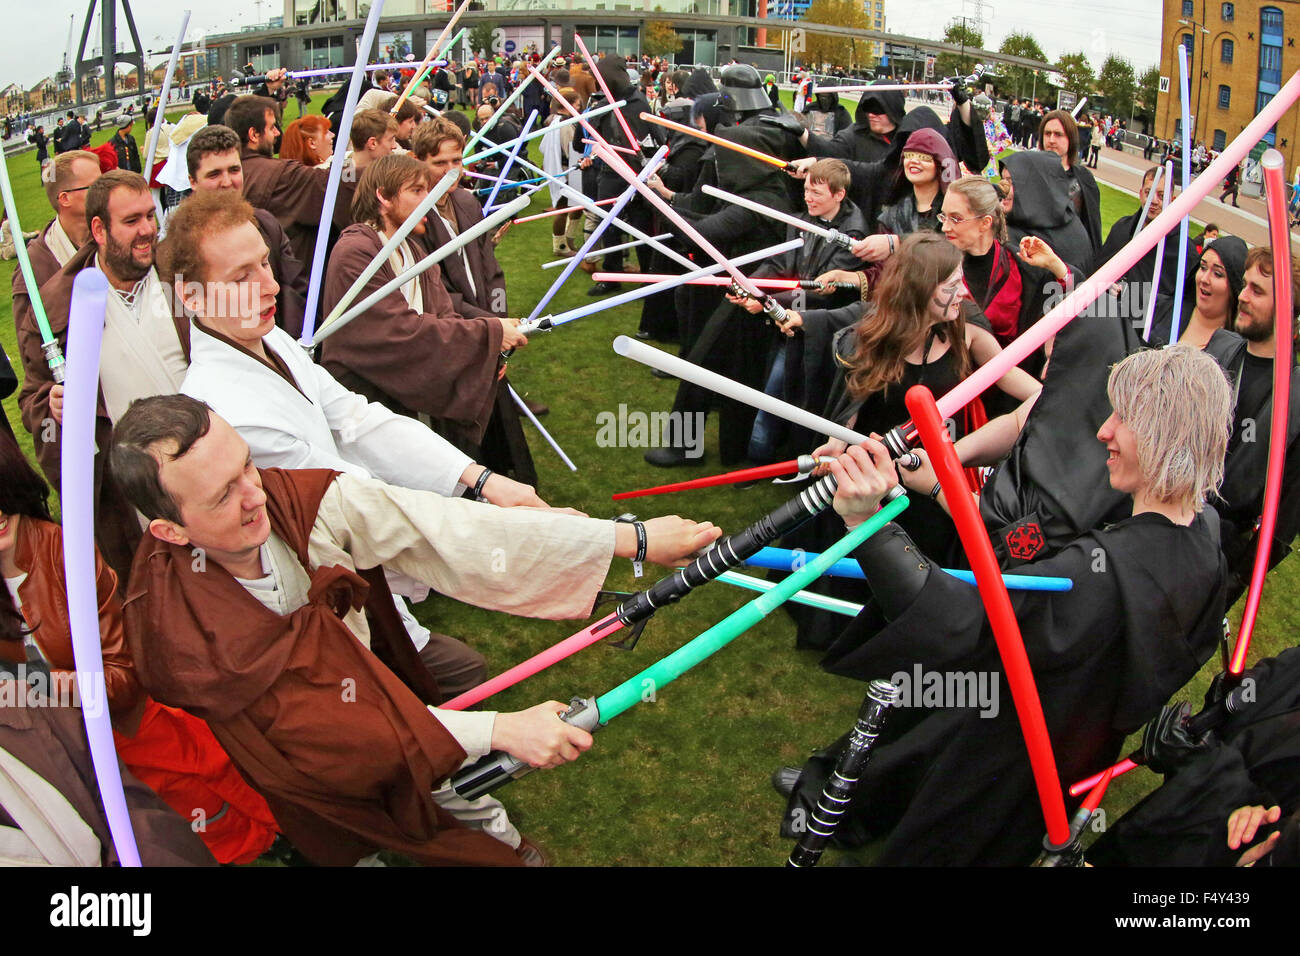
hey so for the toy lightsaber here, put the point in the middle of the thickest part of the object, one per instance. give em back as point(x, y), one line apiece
point(1180, 280)
point(49, 344)
point(833, 236)
point(238, 79)
point(498, 768)
point(623, 199)
point(604, 88)
point(1280, 235)
point(510, 161)
point(725, 555)
point(523, 407)
point(1072, 853)
point(560, 212)
point(509, 101)
point(151, 141)
point(497, 183)
point(556, 263)
point(624, 226)
point(732, 145)
point(721, 385)
point(898, 439)
point(802, 465)
point(493, 150)
point(1074, 113)
point(882, 88)
point(783, 559)
point(548, 322)
point(779, 284)
point(616, 163)
point(77, 498)
point(997, 604)
point(837, 794)
point(1168, 170)
point(386, 251)
point(442, 252)
point(434, 50)
point(314, 282)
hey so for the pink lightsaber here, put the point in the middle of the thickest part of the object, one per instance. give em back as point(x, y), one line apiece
point(882, 88)
point(1095, 286)
point(781, 284)
point(604, 87)
point(1280, 237)
point(619, 166)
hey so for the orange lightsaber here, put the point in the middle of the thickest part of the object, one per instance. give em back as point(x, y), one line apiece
point(757, 154)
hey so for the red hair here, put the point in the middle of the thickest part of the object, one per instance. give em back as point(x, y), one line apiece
point(296, 143)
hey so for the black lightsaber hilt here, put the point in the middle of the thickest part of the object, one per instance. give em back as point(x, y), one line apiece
point(543, 324)
point(843, 781)
point(901, 439)
point(813, 285)
point(730, 552)
point(498, 768)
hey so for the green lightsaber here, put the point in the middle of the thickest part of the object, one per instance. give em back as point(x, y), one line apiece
point(49, 344)
point(498, 768)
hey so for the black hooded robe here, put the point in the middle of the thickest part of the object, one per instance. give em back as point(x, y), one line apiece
point(952, 787)
point(1042, 207)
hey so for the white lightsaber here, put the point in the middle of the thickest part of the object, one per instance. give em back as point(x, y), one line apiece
point(509, 100)
point(1160, 256)
point(442, 252)
point(523, 407)
point(830, 235)
point(721, 385)
point(152, 142)
point(1078, 106)
point(598, 111)
point(389, 247)
point(619, 248)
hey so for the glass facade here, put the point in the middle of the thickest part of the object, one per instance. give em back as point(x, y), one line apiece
point(264, 57)
point(320, 52)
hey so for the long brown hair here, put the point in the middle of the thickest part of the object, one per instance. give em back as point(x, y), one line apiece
point(901, 320)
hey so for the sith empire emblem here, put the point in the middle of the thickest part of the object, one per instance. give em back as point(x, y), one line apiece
point(1024, 541)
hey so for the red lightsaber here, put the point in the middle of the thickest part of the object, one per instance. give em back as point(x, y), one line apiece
point(801, 465)
point(559, 212)
point(997, 604)
point(1280, 237)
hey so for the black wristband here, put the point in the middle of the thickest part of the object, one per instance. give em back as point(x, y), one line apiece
point(934, 492)
point(478, 485)
point(642, 542)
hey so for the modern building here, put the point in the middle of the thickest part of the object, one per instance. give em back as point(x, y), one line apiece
point(1238, 54)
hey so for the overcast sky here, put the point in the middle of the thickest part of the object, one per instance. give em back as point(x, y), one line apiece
point(36, 33)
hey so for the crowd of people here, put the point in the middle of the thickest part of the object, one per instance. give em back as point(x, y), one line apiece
point(266, 515)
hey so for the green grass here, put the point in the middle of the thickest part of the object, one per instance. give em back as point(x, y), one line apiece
point(682, 780)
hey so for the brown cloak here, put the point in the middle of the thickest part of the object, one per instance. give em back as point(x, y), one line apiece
point(345, 755)
point(295, 195)
point(435, 361)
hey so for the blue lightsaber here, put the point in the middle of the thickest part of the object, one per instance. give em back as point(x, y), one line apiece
point(783, 559)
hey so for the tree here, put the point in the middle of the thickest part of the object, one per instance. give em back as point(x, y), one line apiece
point(1077, 73)
point(481, 38)
point(1118, 84)
point(1019, 78)
point(660, 38)
point(1148, 89)
point(827, 49)
point(953, 64)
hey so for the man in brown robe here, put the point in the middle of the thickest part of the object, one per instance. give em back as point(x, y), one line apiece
point(265, 643)
point(214, 165)
point(146, 346)
point(411, 351)
point(477, 285)
point(290, 191)
point(66, 182)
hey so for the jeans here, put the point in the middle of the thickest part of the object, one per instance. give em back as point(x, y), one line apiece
point(762, 440)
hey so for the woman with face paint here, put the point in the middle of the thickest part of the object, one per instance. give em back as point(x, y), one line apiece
point(914, 332)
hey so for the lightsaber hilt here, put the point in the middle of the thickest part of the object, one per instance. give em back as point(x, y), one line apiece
point(901, 439)
point(775, 311)
point(542, 324)
point(499, 768)
point(837, 238)
point(738, 290)
point(1069, 853)
point(54, 358)
point(815, 286)
point(842, 784)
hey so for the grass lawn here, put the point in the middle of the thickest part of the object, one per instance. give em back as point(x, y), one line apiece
point(682, 780)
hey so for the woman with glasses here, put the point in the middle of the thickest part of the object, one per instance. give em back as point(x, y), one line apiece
point(1013, 287)
point(913, 332)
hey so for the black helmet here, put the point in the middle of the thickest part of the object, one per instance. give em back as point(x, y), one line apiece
point(742, 89)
